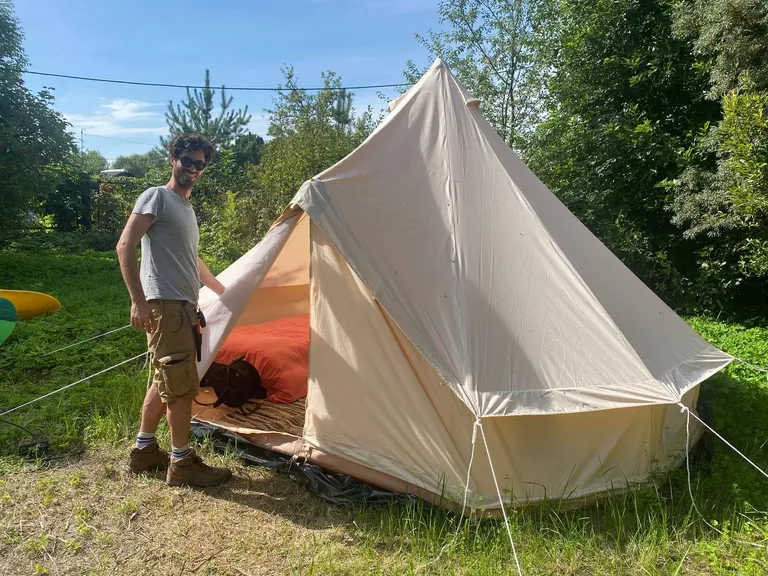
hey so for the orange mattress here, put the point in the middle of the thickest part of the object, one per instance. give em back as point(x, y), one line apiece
point(279, 350)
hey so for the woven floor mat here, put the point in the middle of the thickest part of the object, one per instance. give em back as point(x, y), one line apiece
point(257, 416)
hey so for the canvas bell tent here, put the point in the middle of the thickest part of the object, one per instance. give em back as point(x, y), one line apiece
point(452, 310)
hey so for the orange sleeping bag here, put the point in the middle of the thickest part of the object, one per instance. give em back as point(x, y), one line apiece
point(279, 350)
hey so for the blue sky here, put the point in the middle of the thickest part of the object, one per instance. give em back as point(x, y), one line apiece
point(243, 43)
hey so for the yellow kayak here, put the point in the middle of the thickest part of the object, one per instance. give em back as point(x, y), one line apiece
point(29, 304)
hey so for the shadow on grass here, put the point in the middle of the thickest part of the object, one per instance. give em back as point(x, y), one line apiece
point(277, 495)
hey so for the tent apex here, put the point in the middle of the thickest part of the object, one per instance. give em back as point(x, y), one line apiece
point(439, 63)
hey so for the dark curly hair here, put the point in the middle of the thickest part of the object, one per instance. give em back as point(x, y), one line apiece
point(191, 142)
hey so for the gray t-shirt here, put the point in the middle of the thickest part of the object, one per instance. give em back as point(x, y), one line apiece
point(169, 268)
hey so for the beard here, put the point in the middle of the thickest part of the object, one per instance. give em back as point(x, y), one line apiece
point(184, 178)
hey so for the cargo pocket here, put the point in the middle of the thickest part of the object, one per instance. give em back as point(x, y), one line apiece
point(178, 374)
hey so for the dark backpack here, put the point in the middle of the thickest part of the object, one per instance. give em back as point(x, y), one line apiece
point(234, 384)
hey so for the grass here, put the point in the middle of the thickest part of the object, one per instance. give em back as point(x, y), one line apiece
point(79, 512)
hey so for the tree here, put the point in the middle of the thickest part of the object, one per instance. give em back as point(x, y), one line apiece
point(488, 44)
point(196, 114)
point(341, 111)
point(248, 149)
point(623, 99)
point(730, 37)
point(721, 197)
point(310, 132)
point(93, 162)
point(744, 159)
point(32, 135)
point(221, 201)
point(69, 202)
point(139, 164)
point(74, 188)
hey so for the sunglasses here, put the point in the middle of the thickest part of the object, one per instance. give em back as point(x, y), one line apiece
point(187, 162)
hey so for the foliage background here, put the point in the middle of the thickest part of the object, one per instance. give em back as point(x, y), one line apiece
point(647, 118)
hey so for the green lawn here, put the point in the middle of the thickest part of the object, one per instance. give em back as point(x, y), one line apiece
point(77, 515)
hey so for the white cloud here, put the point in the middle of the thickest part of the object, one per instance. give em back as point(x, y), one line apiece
point(121, 117)
point(122, 109)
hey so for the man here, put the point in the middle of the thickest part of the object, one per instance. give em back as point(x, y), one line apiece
point(164, 305)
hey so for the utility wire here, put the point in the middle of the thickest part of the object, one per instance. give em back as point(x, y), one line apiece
point(230, 88)
point(119, 139)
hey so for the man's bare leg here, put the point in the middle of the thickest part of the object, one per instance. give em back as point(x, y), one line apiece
point(179, 416)
point(152, 411)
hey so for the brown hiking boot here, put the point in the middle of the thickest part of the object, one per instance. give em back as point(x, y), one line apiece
point(151, 457)
point(191, 471)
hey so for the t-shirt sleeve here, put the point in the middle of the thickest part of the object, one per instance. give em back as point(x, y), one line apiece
point(150, 202)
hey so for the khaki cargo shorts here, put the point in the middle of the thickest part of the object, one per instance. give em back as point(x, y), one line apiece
point(172, 348)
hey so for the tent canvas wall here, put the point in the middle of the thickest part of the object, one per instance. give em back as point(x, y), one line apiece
point(447, 286)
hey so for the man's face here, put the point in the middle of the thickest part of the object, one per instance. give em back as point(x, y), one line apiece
point(188, 167)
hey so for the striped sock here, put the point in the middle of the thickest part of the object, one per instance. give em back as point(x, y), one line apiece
point(179, 453)
point(144, 439)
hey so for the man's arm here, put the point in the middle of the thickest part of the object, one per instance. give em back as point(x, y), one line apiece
point(135, 228)
point(208, 279)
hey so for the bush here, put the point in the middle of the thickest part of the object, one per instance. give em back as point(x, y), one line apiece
point(62, 242)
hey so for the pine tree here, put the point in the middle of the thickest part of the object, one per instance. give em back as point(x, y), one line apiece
point(196, 114)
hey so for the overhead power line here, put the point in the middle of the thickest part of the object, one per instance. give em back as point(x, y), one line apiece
point(119, 139)
point(230, 88)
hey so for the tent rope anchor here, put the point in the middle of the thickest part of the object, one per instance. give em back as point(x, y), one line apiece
point(478, 424)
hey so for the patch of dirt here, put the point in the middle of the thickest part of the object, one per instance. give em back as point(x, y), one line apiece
point(95, 517)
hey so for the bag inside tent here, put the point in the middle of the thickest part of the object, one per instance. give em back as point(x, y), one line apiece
point(427, 318)
point(272, 335)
